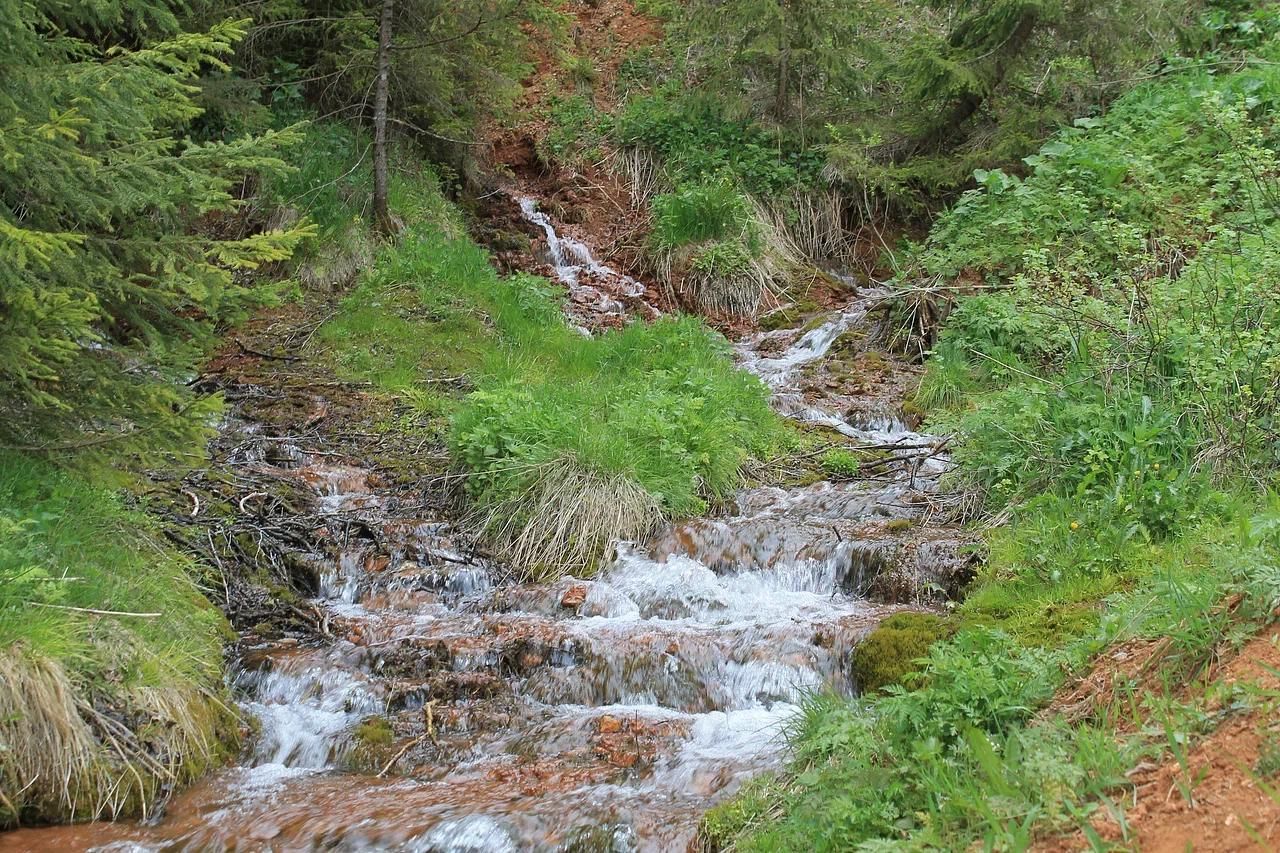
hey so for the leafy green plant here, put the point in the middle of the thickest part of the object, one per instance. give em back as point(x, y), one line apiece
point(701, 212)
point(839, 463)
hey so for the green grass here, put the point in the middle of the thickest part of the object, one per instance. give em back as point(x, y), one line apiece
point(1114, 394)
point(68, 547)
point(648, 421)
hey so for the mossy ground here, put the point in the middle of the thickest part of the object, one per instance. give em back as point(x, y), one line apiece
point(894, 648)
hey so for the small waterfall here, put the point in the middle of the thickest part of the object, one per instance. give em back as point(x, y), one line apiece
point(305, 710)
point(605, 293)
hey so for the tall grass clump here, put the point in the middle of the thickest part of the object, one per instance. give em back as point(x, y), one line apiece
point(717, 250)
point(653, 421)
point(110, 658)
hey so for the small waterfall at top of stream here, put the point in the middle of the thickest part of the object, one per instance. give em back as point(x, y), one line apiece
point(596, 290)
point(600, 714)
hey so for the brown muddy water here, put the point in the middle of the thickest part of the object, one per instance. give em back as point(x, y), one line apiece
point(603, 714)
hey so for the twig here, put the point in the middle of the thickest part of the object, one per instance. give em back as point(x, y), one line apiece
point(95, 611)
point(195, 500)
point(248, 350)
point(409, 638)
point(430, 732)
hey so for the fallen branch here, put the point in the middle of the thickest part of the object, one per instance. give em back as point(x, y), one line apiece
point(248, 350)
point(429, 733)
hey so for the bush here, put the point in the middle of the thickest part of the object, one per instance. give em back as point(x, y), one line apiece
point(698, 143)
point(701, 212)
point(658, 406)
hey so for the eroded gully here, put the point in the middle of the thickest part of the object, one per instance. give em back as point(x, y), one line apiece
point(588, 714)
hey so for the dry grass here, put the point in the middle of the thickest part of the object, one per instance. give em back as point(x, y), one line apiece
point(642, 170)
point(337, 263)
point(813, 223)
point(742, 291)
point(567, 518)
point(50, 762)
point(62, 758)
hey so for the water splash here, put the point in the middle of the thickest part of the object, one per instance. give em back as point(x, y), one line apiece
point(605, 293)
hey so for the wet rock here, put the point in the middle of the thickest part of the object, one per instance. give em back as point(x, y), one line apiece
point(608, 725)
point(598, 839)
point(574, 596)
point(928, 571)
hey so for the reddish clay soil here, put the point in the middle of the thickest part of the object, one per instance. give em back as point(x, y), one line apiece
point(588, 199)
point(1228, 810)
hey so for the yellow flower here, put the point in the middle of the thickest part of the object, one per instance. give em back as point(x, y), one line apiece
point(1075, 525)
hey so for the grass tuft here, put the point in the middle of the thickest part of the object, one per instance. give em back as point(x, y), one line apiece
point(567, 518)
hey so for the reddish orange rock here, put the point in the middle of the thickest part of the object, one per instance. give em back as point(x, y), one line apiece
point(574, 596)
point(608, 725)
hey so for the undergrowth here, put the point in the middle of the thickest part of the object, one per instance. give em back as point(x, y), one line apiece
point(1113, 383)
point(99, 618)
point(566, 442)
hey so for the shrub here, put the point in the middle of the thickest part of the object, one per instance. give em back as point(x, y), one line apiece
point(697, 142)
point(658, 408)
point(700, 212)
point(714, 246)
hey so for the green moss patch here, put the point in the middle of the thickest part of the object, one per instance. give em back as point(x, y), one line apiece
point(893, 649)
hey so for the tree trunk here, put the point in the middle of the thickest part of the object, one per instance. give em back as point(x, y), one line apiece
point(783, 93)
point(382, 221)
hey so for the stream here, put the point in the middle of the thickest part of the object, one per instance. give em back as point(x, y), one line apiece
point(603, 714)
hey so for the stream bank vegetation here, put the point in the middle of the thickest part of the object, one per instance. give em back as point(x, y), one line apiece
point(1110, 361)
point(1111, 370)
point(114, 276)
point(565, 442)
point(827, 120)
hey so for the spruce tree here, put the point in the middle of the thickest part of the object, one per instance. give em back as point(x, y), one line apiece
point(111, 271)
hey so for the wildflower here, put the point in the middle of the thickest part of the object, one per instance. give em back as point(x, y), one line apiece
point(1075, 525)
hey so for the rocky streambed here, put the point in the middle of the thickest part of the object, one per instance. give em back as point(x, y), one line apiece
point(434, 704)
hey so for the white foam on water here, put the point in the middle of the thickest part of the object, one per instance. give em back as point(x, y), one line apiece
point(681, 589)
point(306, 712)
point(571, 258)
point(342, 581)
point(472, 834)
point(725, 747)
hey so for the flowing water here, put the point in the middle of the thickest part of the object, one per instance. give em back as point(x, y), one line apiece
point(588, 714)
